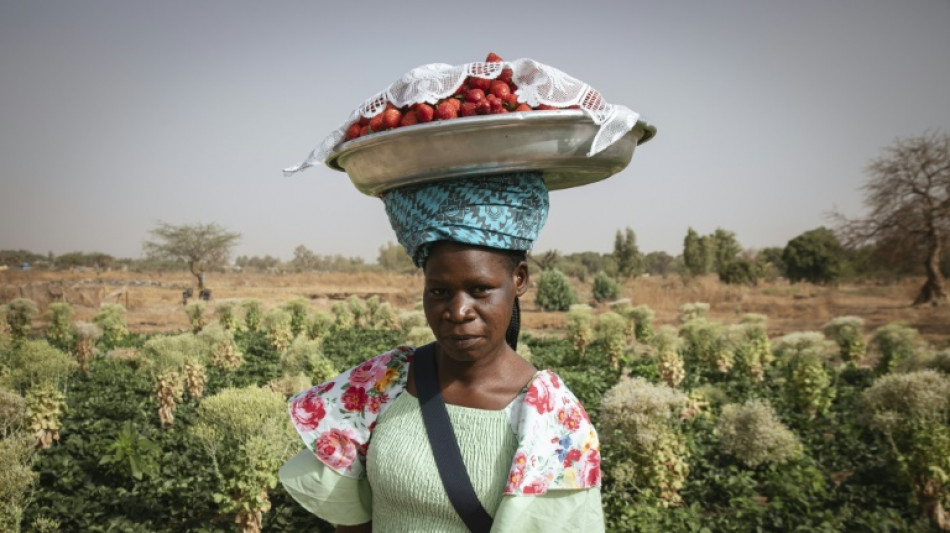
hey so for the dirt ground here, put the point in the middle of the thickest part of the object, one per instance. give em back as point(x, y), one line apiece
point(154, 300)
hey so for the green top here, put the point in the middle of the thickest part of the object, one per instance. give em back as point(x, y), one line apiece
point(403, 492)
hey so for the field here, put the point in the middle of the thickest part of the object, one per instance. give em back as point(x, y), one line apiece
point(154, 299)
point(715, 423)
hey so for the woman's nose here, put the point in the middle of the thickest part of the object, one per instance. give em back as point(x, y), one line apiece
point(459, 308)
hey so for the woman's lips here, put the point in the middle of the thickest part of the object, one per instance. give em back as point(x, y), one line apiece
point(463, 342)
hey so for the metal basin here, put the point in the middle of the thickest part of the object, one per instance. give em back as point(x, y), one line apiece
point(553, 142)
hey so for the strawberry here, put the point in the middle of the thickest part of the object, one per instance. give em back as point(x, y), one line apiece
point(353, 131)
point(376, 123)
point(409, 119)
point(424, 112)
point(505, 75)
point(468, 109)
point(523, 107)
point(493, 58)
point(479, 83)
point(475, 95)
point(496, 106)
point(454, 102)
point(483, 107)
point(511, 100)
point(391, 118)
point(545, 107)
point(363, 121)
point(446, 111)
point(500, 89)
point(364, 130)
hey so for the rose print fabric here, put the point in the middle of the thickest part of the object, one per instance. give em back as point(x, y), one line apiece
point(557, 445)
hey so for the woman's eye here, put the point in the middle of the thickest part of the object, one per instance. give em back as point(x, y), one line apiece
point(438, 293)
point(480, 290)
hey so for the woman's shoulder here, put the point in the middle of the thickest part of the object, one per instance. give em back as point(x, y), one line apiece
point(335, 418)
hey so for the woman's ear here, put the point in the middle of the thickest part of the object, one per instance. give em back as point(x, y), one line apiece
point(521, 278)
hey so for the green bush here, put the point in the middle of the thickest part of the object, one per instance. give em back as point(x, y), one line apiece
point(19, 316)
point(579, 325)
point(740, 272)
point(298, 309)
point(111, 320)
point(59, 332)
point(554, 292)
point(894, 343)
point(815, 256)
point(753, 434)
point(848, 333)
point(605, 287)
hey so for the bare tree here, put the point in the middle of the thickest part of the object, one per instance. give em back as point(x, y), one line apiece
point(908, 196)
point(200, 245)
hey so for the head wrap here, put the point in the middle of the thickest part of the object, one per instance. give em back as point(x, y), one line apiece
point(503, 211)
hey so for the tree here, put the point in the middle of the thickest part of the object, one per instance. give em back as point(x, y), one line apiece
point(202, 246)
point(696, 256)
point(304, 259)
point(626, 254)
point(725, 248)
point(813, 256)
point(659, 263)
point(393, 257)
point(908, 196)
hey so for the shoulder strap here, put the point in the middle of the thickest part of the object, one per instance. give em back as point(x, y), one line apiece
point(445, 448)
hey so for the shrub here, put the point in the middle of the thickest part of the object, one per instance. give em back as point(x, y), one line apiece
point(342, 319)
point(669, 363)
point(319, 324)
point(639, 423)
point(704, 344)
point(408, 320)
point(85, 335)
point(912, 411)
point(814, 256)
point(111, 319)
point(19, 316)
point(17, 478)
point(808, 384)
point(894, 343)
point(579, 327)
point(59, 332)
point(253, 314)
point(220, 348)
point(277, 325)
point(226, 316)
point(36, 363)
point(643, 317)
point(611, 331)
point(247, 434)
point(298, 315)
point(420, 336)
point(554, 292)
point(690, 311)
point(848, 333)
point(358, 310)
point(753, 353)
point(605, 287)
point(740, 272)
point(753, 434)
point(197, 318)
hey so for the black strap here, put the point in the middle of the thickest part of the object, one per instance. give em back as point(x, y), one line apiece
point(445, 448)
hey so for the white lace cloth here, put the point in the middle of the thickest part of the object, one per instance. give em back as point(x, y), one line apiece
point(537, 84)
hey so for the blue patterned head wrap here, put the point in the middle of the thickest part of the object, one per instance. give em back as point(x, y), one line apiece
point(503, 211)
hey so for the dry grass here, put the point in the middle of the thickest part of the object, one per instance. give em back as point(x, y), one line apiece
point(154, 299)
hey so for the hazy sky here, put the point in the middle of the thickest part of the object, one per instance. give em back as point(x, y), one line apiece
point(116, 115)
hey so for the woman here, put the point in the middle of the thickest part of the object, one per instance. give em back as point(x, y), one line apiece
point(527, 445)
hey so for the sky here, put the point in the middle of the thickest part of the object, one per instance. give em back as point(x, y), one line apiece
point(118, 115)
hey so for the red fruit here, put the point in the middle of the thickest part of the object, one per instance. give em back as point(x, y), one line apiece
point(364, 130)
point(523, 107)
point(424, 112)
point(493, 58)
point(468, 109)
point(479, 83)
point(483, 107)
point(499, 111)
point(363, 121)
point(511, 100)
point(463, 88)
point(376, 123)
point(475, 95)
point(446, 111)
point(454, 102)
point(353, 131)
point(545, 107)
point(500, 89)
point(391, 118)
point(409, 119)
point(505, 75)
point(496, 106)
point(389, 105)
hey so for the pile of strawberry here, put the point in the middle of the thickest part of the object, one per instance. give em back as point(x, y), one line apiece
point(476, 96)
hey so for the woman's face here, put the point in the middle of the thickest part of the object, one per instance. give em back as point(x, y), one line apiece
point(468, 299)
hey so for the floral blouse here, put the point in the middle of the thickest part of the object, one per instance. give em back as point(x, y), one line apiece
point(557, 445)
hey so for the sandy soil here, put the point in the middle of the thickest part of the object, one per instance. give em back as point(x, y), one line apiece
point(154, 299)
